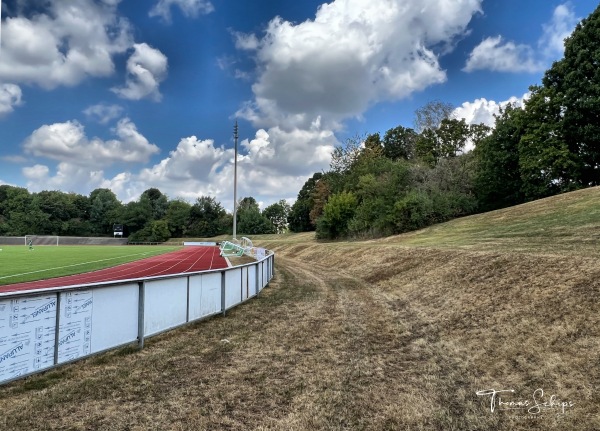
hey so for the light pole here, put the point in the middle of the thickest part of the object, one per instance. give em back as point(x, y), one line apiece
point(235, 138)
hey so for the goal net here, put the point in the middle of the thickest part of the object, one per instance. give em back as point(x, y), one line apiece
point(41, 240)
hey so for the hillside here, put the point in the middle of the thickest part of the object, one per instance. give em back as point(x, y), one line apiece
point(392, 334)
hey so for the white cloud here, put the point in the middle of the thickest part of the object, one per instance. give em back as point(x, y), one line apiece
point(10, 96)
point(67, 177)
point(36, 172)
point(190, 8)
point(552, 42)
point(483, 110)
point(499, 56)
point(103, 113)
point(63, 43)
point(495, 54)
point(353, 54)
point(273, 164)
point(68, 143)
point(146, 69)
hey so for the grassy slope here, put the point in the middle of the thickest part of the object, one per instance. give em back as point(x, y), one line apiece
point(392, 334)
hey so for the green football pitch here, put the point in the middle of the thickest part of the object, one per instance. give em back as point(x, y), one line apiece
point(19, 263)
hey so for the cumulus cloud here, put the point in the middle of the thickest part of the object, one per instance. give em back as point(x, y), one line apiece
point(198, 167)
point(190, 8)
point(66, 177)
point(146, 69)
point(496, 54)
point(103, 113)
point(499, 56)
point(36, 172)
point(552, 42)
point(483, 110)
point(383, 49)
point(10, 96)
point(67, 142)
point(61, 43)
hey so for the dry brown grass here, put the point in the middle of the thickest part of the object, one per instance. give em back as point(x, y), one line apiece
point(354, 336)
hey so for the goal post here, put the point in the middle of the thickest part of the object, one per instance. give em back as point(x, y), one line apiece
point(42, 239)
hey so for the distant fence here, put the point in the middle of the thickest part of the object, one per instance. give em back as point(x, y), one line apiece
point(60, 240)
point(42, 329)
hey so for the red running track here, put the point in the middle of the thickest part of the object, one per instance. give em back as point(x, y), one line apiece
point(188, 259)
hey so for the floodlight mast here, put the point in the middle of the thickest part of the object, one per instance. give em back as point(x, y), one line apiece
point(235, 139)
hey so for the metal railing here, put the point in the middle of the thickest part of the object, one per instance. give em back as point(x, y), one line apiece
point(43, 329)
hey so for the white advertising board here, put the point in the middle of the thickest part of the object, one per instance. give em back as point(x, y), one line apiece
point(115, 316)
point(233, 284)
point(252, 280)
point(27, 331)
point(205, 295)
point(75, 325)
point(165, 304)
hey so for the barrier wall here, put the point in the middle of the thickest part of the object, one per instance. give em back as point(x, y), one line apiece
point(60, 240)
point(45, 328)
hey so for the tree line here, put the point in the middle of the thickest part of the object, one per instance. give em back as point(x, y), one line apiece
point(412, 178)
point(153, 217)
point(377, 185)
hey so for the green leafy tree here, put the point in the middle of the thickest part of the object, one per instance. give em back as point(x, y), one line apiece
point(136, 215)
point(448, 140)
point(426, 147)
point(376, 193)
point(546, 165)
point(278, 214)
point(497, 181)
point(399, 143)
point(206, 218)
point(574, 82)
point(414, 211)
point(319, 196)
point(158, 202)
point(177, 216)
point(299, 217)
point(337, 214)
point(373, 142)
point(105, 210)
point(250, 220)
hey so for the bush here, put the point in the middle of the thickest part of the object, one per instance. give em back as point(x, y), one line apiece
point(337, 213)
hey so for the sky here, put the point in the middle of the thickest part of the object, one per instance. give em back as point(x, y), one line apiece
point(135, 94)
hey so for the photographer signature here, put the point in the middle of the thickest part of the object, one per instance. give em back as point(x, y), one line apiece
point(534, 406)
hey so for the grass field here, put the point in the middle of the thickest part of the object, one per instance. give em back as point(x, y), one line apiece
point(395, 334)
point(19, 264)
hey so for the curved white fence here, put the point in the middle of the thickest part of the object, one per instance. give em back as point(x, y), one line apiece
point(42, 329)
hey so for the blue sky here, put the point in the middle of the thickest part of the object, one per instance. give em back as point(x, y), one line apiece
point(130, 95)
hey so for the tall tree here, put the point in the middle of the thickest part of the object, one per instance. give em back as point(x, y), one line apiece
point(158, 202)
point(104, 210)
point(399, 143)
point(299, 218)
point(547, 166)
point(575, 84)
point(278, 214)
point(250, 220)
point(498, 182)
point(206, 218)
point(178, 213)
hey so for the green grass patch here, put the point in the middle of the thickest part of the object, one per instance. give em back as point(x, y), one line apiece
point(567, 222)
point(19, 264)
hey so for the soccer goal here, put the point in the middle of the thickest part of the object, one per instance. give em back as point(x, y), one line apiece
point(41, 240)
